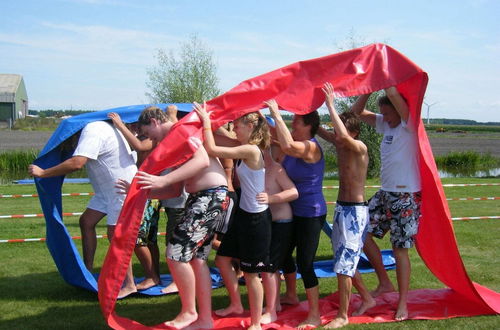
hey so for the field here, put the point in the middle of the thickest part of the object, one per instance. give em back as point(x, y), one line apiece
point(35, 296)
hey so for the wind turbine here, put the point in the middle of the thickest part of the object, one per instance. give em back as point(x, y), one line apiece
point(428, 108)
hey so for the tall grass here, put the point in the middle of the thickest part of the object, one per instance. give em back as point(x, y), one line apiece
point(17, 160)
point(468, 159)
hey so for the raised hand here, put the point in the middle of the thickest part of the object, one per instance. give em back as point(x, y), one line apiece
point(202, 112)
point(273, 107)
point(116, 119)
point(328, 90)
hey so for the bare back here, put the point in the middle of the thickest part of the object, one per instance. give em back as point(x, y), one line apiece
point(353, 165)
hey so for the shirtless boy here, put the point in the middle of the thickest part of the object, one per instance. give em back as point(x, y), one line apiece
point(188, 248)
point(351, 213)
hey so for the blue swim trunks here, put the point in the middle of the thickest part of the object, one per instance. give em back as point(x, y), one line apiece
point(348, 233)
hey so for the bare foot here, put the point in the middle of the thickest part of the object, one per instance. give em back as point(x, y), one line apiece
point(268, 317)
point(365, 305)
point(381, 289)
point(337, 322)
point(310, 322)
point(401, 313)
point(182, 320)
point(147, 283)
point(126, 291)
point(171, 288)
point(209, 324)
point(230, 310)
point(286, 300)
point(254, 327)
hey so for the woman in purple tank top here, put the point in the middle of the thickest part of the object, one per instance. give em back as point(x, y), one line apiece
point(304, 164)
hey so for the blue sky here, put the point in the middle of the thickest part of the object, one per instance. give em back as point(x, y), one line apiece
point(94, 54)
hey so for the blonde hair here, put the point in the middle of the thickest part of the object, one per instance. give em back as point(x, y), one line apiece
point(260, 135)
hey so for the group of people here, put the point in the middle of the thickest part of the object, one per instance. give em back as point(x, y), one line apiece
point(279, 207)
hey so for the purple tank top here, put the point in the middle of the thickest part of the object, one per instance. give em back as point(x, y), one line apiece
point(308, 178)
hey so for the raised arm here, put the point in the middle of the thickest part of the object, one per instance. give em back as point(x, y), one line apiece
point(234, 152)
point(398, 102)
point(342, 136)
point(306, 150)
point(135, 143)
point(359, 108)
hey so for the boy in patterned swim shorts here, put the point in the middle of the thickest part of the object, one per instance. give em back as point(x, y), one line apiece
point(351, 213)
point(204, 179)
point(396, 206)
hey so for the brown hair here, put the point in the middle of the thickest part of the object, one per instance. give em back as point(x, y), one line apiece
point(260, 135)
point(351, 122)
point(150, 113)
point(312, 119)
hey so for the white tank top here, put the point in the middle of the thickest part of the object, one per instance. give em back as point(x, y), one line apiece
point(252, 182)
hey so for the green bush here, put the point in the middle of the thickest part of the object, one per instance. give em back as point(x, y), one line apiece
point(470, 161)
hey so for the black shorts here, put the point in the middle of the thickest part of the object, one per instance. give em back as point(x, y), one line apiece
point(282, 233)
point(249, 239)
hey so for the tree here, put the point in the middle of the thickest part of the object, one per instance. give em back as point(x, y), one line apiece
point(190, 77)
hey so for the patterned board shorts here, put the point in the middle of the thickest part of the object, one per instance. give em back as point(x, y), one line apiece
point(398, 212)
point(193, 234)
point(148, 229)
point(349, 229)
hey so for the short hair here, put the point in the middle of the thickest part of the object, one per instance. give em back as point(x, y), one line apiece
point(351, 122)
point(312, 119)
point(150, 113)
point(384, 100)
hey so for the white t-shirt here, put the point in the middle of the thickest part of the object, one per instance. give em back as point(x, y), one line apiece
point(399, 157)
point(109, 157)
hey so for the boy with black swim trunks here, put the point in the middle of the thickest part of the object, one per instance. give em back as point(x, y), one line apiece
point(204, 179)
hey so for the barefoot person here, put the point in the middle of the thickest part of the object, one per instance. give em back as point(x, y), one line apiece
point(396, 206)
point(249, 237)
point(146, 248)
point(351, 213)
point(280, 190)
point(107, 158)
point(189, 246)
point(304, 163)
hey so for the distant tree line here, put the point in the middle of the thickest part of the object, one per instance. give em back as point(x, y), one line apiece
point(56, 113)
point(445, 121)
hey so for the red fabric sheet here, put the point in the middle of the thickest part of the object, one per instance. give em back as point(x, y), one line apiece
point(297, 88)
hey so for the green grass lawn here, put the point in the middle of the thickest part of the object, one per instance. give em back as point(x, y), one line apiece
point(34, 296)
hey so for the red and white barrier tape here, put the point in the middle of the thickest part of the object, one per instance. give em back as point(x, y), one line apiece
point(36, 195)
point(476, 218)
point(43, 239)
point(445, 185)
point(37, 215)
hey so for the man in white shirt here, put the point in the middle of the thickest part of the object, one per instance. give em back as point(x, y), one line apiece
point(396, 206)
point(107, 157)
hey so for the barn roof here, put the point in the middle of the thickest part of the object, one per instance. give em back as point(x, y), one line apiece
point(9, 83)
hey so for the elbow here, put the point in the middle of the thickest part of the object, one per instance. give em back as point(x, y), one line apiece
point(294, 195)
